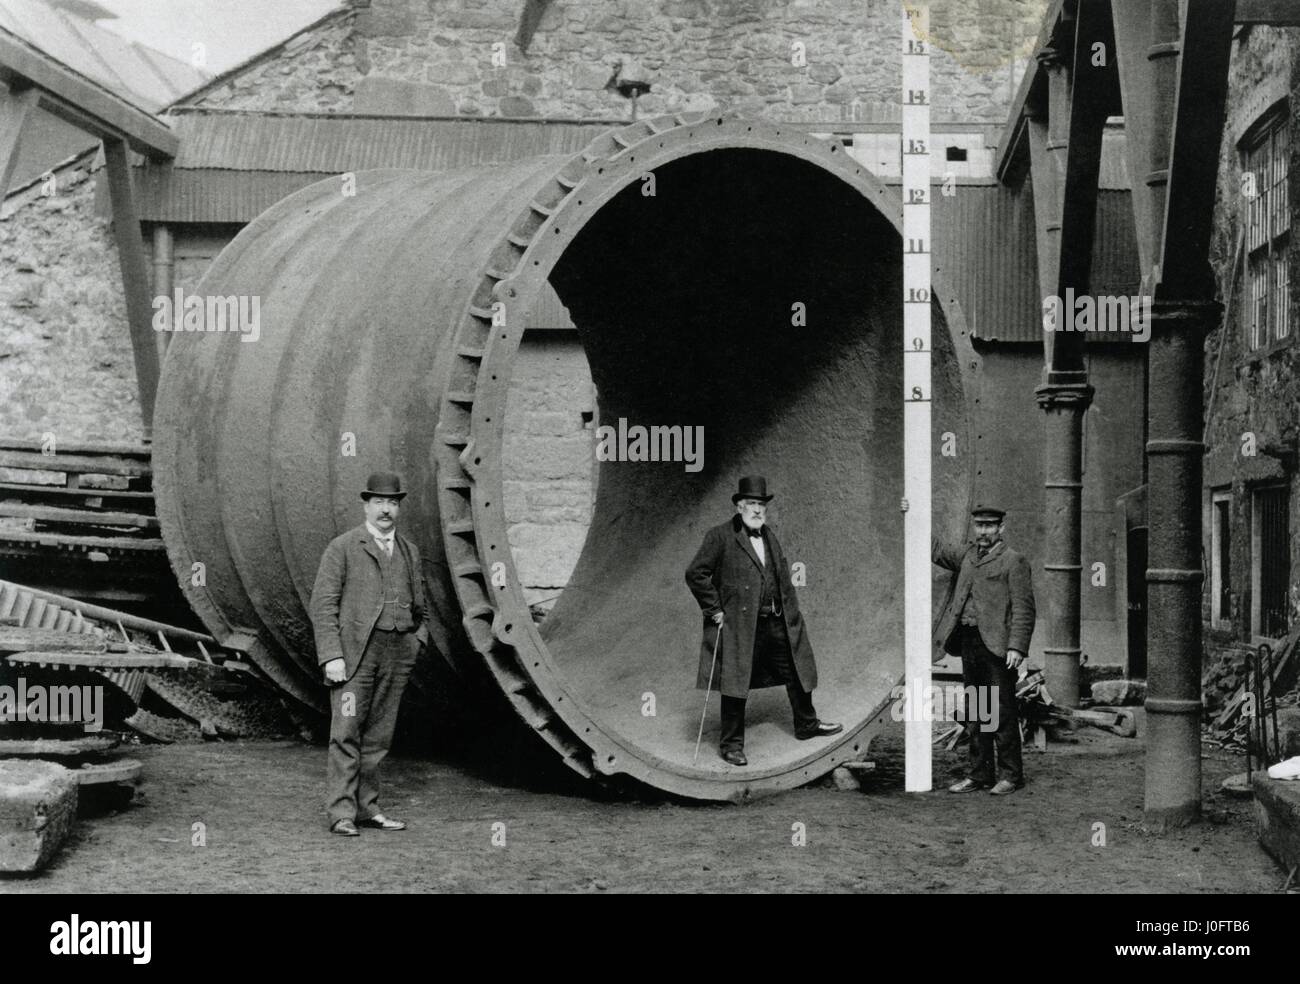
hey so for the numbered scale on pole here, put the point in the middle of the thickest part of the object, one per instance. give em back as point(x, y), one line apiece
point(916, 396)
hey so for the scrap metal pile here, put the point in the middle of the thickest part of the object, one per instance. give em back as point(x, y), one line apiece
point(76, 690)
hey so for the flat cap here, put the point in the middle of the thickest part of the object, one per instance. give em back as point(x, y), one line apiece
point(988, 512)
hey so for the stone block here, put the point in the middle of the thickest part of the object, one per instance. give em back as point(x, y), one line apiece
point(38, 805)
point(546, 555)
point(1116, 693)
point(1277, 818)
point(515, 106)
point(1288, 731)
point(396, 97)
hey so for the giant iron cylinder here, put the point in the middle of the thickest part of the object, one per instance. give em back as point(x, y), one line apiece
point(731, 275)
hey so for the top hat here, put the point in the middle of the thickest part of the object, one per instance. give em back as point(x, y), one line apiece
point(752, 487)
point(387, 484)
point(988, 512)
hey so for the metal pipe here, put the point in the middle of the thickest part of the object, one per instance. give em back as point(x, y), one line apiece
point(392, 322)
point(163, 271)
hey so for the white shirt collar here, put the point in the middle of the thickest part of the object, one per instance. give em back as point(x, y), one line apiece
point(381, 537)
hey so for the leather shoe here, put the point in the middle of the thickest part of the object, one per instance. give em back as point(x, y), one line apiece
point(820, 730)
point(735, 757)
point(965, 786)
point(1004, 787)
point(381, 822)
point(345, 828)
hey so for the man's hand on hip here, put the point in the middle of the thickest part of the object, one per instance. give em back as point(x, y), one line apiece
point(335, 671)
point(1014, 659)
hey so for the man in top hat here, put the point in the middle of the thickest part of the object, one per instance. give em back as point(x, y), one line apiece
point(742, 583)
point(988, 621)
point(370, 618)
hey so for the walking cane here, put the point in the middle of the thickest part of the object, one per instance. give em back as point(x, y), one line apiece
point(705, 712)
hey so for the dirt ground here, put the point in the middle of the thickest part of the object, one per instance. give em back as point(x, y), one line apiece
point(259, 804)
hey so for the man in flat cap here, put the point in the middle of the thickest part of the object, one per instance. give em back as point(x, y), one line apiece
point(742, 583)
point(988, 621)
point(370, 618)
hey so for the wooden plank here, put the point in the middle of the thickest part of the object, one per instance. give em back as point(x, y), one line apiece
point(71, 541)
point(22, 638)
point(87, 464)
point(136, 451)
point(116, 661)
point(60, 492)
point(55, 514)
point(135, 278)
point(83, 102)
point(15, 110)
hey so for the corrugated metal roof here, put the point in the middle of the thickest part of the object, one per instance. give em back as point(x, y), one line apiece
point(330, 144)
point(109, 59)
point(984, 242)
point(167, 195)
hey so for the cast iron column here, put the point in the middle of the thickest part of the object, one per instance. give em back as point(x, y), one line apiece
point(1065, 401)
point(1174, 572)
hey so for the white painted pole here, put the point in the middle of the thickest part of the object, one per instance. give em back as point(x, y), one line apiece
point(916, 395)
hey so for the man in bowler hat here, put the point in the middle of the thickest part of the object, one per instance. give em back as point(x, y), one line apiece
point(988, 621)
point(742, 583)
point(370, 618)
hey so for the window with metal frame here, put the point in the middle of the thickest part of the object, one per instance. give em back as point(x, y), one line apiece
point(1265, 151)
point(1271, 576)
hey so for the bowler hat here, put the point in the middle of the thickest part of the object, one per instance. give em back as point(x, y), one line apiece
point(988, 512)
point(386, 484)
point(752, 487)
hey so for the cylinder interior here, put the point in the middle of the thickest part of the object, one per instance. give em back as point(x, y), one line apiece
point(754, 301)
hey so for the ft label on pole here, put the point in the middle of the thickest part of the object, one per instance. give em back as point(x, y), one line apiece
point(916, 394)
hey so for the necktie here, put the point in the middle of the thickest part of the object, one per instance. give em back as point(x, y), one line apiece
point(756, 534)
point(387, 544)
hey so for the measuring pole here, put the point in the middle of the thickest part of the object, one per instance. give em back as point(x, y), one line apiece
point(916, 396)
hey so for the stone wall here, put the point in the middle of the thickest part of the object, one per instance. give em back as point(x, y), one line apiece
point(1254, 392)
point(785, 59)
point(65, 357)
point(549, 460)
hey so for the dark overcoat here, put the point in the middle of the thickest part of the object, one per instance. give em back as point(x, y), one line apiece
point(726, 575)
point(1000, 586)
point(347, 599)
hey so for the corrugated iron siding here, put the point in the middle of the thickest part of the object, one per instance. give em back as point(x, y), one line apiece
point(984, 247)
point(332, 144)
point(984, 244)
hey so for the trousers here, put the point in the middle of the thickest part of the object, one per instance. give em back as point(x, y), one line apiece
point(363, 714)
point(771, 649)
point(981, 668)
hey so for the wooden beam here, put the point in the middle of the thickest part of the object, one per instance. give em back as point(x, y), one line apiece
point(1138, 96)
point(15, 109)
point(82, 101)
point(1277, 13)
point(529, 18)
point(1200, 96)
point(1012, 144)
point(135, 277)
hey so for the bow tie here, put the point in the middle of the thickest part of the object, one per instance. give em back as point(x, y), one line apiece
point(756, 534)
